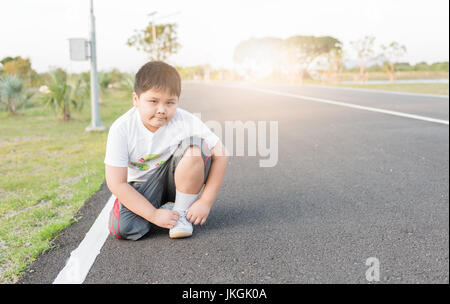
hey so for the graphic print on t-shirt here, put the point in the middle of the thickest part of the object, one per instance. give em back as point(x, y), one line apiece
point(148, 157)
point(141, 164)
point(160, 163)
point(144, 167)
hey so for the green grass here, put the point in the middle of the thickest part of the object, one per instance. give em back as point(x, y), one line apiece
point(404, 75)
point(419, 88)
point(422, 88)
point(48, 169)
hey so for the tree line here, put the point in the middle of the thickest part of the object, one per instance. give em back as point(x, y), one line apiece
point(293, 59)
point(298, 56)
point(57, 90)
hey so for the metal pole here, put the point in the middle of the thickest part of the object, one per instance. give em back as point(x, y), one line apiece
point(155, 50)
point(153, 46)
point(96, 124)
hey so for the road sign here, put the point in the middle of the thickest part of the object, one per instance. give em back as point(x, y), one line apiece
point(78, 49)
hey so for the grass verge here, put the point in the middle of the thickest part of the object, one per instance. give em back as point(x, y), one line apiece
point(48, 169)
point(418, 88)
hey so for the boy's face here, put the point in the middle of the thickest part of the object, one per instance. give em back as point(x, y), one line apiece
point(155, 107)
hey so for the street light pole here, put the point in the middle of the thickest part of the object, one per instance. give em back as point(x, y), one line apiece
point(96, 124)
point(152, 14)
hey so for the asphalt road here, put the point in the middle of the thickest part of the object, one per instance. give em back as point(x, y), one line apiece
point(349, 184)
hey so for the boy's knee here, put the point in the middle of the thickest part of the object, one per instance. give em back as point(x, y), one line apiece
point(126, 229)
point(193, 154)
point(192, 146)
point(191, 162)
point(129, 232)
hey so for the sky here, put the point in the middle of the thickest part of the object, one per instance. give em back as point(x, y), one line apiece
point(209, 30)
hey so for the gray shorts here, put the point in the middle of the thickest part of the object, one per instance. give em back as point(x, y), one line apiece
point(158, 190)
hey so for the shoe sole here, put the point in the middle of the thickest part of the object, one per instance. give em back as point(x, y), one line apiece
point(179, 235)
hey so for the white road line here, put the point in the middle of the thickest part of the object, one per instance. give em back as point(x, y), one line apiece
point(344, 104)
point(375, 91)
point(83, 257)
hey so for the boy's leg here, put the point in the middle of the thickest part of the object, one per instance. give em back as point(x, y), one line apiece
point(184, 185)
point(123, 223)
point(158, 189)
point(188, 171)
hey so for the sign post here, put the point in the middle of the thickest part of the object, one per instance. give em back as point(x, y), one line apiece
point(79, 52)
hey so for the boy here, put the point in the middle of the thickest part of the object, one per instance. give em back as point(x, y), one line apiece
point(158, 153)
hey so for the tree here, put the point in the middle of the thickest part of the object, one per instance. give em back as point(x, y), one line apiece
point(300, 51)
point(439, 66)
point(64, 97)
point(193, 72)
point(159, 47)
point(116, 75)
point(365, 49)
point(392, 52)
point(104, 80)
point(109, 79)
point(21, 67)
point(335, 64)
point(85, 83)
point(127, 83)
point(12, 93)
point(7, 59)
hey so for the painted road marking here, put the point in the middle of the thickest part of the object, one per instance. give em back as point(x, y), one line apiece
point(344, 104)
point(83, 257)
point(376, 91)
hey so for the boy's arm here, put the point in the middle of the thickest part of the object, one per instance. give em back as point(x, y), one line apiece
point(216, 174)
point(116, 179)
point(199, 210)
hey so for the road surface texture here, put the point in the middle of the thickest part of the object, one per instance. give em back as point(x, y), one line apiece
point(349, 184)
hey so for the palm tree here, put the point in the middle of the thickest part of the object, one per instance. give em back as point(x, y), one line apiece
point(13, 94)
point(63, 96)
point(127, 83)
point(105, 79)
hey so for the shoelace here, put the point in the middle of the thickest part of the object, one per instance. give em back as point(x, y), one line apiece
point(182, 217)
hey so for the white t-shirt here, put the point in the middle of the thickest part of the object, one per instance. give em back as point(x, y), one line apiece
point(130, 144)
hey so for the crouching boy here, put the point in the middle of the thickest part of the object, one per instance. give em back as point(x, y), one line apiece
point(158, 158)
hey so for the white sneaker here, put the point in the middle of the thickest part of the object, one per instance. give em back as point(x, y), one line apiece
point(183, 228)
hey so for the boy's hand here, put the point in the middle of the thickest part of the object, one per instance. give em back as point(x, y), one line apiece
point(198, 212)
point(165, 218)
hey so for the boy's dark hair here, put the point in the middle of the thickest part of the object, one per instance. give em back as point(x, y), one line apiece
point(159, 75)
